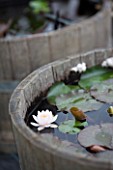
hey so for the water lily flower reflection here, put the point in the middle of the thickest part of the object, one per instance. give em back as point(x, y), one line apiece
point(44, 119)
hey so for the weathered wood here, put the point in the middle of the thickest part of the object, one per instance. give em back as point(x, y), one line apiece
point(72, 40)
point(19, 58)
point(57, 44)
point(74, 60)
point(7, 143)
point(22, 55)
point(109, 52)
point(39, 50)
point(102, 31)
point(87, 36)
point(5, 61)
point(43, 151)
point(100, 55)
point(88, 58)
point(108, 28)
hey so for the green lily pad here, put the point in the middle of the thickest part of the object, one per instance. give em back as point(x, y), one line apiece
point(59, 89)
point(95, 75)
point(97, 135)
point(81, 124)
point(83, 101)
point(71, 127)
point(68, 127)
point(103, 92)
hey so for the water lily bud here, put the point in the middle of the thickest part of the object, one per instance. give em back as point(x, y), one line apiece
point(110, 110)
point(78, 114)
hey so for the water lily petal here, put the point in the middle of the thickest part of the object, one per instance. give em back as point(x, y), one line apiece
point(40, 128)
point(47, 126)
point(110, 61)
point(53, 126)
point(74, 69)
point(54, 118)
point(34, 124)
point(35, 118)
point(104, 64)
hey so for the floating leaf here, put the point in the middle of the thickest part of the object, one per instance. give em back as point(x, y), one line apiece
point(95, 75)
point(68, 127)
point(83, 101)
point(81, 124)
point(104, 92)
point(96, 148)
point(72, 126)
point(97, 135)
point(59, 89)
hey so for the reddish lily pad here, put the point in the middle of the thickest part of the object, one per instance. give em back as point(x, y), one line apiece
point(103, 92)
point(97, 135)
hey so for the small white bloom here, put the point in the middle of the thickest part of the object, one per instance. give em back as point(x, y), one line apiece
point(44, 119)
point(108, 62)
point(74, 69)
point(81, 67)
point(104, 64)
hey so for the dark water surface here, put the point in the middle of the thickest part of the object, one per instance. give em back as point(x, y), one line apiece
point(93, 118)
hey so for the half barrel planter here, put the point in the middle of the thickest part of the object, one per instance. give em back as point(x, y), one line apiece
point(45, 152)
point(20, 56)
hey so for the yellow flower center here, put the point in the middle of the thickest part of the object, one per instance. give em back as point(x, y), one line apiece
point(43, 116)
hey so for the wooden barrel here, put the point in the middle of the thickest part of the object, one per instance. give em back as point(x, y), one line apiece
point(22, 55)
point(7, 143)
point(46, 152)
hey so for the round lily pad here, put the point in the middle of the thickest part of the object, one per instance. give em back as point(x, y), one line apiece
point(101, 135)
point(72, 126)
point(94, 75)
point(68, 127)
point(103, 92)
point(83, 101)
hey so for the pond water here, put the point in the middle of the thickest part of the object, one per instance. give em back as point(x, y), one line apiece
point(94, 116)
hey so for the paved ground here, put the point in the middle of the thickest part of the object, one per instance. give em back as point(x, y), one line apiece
point(9, 162)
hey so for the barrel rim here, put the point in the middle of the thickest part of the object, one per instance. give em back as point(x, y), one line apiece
point(52, 33)
point(37, 140)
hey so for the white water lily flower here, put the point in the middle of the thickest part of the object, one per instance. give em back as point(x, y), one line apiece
point(104, 64)
point(44, 119)
point(108, 62)
point(81, 67)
